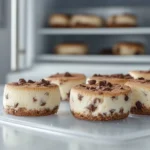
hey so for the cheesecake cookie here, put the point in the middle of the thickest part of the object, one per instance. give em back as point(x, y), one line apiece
point(102, 101)
point(29, 98)
point(140, 96)
point(140, 74)
point(66, 81)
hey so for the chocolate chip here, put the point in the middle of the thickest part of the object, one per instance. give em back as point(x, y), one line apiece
point(34, 99)
point(80, 97)
point(81, 85)
point(104, 114)
point(47, 94)
point(141, 78)
point(91, 82)
point(113, 97)
point(138, 105)
point(102, 83)
point(95, 75)
point(121, 110)
point(30, 81)
point(16, 105)
point(22, 81)
point(42, 103)
point(112, 111)
point(97, 100)
point(126, 98)
point(6, 96)
point(14, 83)
point(67, 74)
point(91, 108)
point(121, 88)
point(109, 84)
point(68, 94)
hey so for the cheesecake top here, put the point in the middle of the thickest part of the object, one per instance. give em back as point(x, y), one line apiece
point(102, 88)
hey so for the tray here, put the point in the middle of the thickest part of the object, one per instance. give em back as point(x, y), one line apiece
point(64, 123)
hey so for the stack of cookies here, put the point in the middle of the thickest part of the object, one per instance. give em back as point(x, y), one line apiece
point(101, 97)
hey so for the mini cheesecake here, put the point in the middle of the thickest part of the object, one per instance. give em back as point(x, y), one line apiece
point(59, 21)
point(29, 98)
point(128, 48)
point(102, 101)
point(140, 96)
point(140, 74)
point(66, 81)
point(122, 20)
point(86, 21)
point(114, 78)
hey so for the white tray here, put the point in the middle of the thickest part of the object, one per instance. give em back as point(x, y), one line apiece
point(64, 123)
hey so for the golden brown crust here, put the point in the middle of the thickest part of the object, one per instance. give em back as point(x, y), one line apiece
point(100, 117)
point(61, 76)
point(142, 111)
point(25, 112)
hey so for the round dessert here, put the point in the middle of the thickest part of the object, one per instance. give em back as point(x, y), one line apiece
point(59, 21)
point(86, 21)
point(102, 101)
point(71, 49)
point(128, 48)
point(140, 96)
point(114, 78)
point(122, 20)
point(31, 98)
point(66, 81)
point(140, 74)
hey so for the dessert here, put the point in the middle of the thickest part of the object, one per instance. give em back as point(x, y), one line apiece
point(86, 21)
point(66, 81)
point(102, 101)
point(140, 74)
point(29, 98)
point(59, 21)
point(114, 78)
point(71, 48)
point(140, 96)
point(128, 48)
point(122, 20)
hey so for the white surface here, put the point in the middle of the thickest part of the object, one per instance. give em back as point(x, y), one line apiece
point(64, 123)
point(95, 58)
point(96, 31)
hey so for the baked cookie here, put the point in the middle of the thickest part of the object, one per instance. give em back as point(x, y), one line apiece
point(128, 48)
point(122, 20)
point(29, 98)
point(140, 74)
point(66, 81)
point(86, 21)
point(71, 49)
point(102, 101)
point(59, 21)
point(114, 78)
point(140, 96)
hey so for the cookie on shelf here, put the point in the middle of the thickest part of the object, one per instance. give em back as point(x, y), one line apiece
point(59, 21)
point(86, 21)
point(103, 101)
point(71, 49)
point(30, 98)
point(66, 81)
point(122, 20)
point(128, 48)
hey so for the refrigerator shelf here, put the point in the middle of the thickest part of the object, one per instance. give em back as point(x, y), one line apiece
point(95, 58)
point(94, 31)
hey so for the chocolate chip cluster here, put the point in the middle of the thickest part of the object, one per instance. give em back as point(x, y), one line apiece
point(67, 74)
point(24, 82)
point(120, 76)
